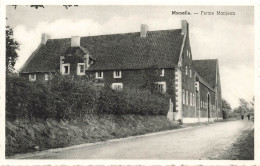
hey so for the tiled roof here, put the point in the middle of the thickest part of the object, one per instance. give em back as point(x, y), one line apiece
point(206, 69)
point(117, 51)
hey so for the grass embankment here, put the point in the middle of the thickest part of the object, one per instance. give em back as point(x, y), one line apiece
point(25, 135)
point(242, 149)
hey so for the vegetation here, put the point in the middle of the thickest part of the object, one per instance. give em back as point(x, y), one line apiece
point(12, 46)
point(151, 76)
point(242, 149)
point(226, 109)
point(68, 98)
point(244, 108)
point(25, 135)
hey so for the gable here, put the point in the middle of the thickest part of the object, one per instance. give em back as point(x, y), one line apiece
point(207, 69)
point(117, 51)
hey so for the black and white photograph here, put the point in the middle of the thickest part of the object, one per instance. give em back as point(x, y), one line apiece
point(130, 82)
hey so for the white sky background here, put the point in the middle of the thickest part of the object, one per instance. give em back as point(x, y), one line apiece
point(230, 39)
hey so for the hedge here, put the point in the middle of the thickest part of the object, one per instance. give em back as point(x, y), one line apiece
point(69, 97)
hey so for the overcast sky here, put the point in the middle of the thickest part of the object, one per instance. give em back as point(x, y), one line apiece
point(230, 39)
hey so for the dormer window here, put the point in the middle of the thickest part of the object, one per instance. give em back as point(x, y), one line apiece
point(81, 69)
point(117, 74)
point(65, 69)
point(32, 77)
point(162, 73)
point(99, 74)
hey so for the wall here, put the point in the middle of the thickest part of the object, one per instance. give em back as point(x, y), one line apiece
point(135, 79)
point(39, 76)
point(188, 83)
point(204, 91)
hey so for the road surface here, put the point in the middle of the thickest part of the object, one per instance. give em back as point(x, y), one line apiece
point(203, 142)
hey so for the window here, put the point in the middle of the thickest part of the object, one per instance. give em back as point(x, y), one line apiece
point(66, 69)
point(46, 77)
point(187, 98)
point(117, 86)
point(162, 73)
point(183, 96)
point(187, 53)
point(99, 74)
point(191, 99)
point(81, 69)
point(117, 74)
point(201, 104)
point(161, 86)
point(186, 70)
point(32, 77)
point(190, 73)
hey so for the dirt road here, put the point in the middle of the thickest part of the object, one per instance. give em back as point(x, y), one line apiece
point(202, 142)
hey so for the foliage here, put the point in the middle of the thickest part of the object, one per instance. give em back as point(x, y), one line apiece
point(245, 107)
point(226, 109)
point(66, 97)
point(11, 49)
point(61, 98)
point(151, 76)
point(130, 101)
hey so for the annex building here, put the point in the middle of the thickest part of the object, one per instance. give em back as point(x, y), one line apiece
point(120, 60)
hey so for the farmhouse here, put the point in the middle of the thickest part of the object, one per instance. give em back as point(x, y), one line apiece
point(121, 60)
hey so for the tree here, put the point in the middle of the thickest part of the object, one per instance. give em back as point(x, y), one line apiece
point(11, 49)
point(151, 76)
point(226, 108)
point(245, 106)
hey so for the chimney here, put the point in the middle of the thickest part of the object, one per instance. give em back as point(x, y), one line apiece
point(75, 41)
point(45, 37)
point(144, 29)
point(184, 27)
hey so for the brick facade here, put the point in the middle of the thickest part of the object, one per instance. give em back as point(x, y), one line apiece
point(132, 55)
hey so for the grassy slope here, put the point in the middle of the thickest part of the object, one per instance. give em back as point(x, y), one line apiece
point(23, 135)
point(242, 149)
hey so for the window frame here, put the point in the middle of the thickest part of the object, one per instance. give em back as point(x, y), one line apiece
point(117, 84)
point(191, 101)
point(30, 77)
point(162, 73)
point(46, 77)
point(115, 72)
point(187, 98)
point(78, 69)
point(183, 96)
point(97, 75)
point(163, 83)
point(63, 68)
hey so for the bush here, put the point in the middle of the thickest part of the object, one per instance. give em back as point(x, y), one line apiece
point(130, 101)
point(26, 99)
point(62, 98)
point(69, 97)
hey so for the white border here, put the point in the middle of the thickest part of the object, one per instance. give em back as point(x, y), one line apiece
point(128, 2)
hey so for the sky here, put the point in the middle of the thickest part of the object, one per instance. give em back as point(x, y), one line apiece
point(228, 38)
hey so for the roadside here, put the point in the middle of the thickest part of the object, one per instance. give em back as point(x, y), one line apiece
point(242, 148)
point(23, 136)
point(182, 144)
